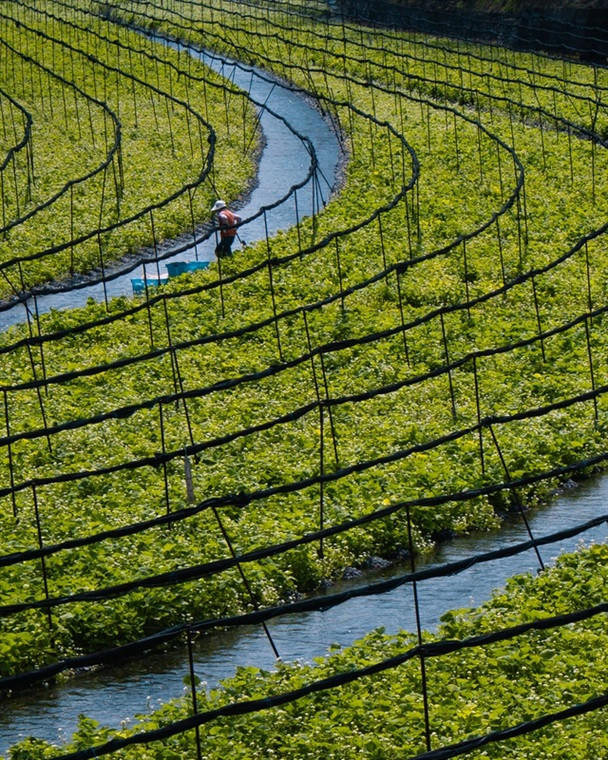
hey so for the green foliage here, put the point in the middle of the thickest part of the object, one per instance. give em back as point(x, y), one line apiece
point(471, 692)
point(466, 176)
point(135, 132)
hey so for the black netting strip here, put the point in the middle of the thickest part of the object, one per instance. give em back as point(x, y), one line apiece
point(113, 150)
point(415, 19)
point(127, 411)
point(109, 228)
point(27, 133)
point(469, 745)
point(315, 604)
point(367, 46)
point(241, 500)
point(274, 261)
point(341, 679)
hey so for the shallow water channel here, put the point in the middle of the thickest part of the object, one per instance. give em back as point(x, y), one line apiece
point(285, 162)
point(117, 694)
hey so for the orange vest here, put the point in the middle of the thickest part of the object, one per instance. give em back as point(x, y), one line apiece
point(227, 222)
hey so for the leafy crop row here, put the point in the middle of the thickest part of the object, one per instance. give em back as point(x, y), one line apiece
point(472, 691)
point(458, 294)
point(108, 142)
point(138, 436)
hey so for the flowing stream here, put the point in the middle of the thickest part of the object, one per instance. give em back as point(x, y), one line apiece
point(285, 162)
point(114, 695)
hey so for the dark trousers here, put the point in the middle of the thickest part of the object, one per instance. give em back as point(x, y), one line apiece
point(224, 247)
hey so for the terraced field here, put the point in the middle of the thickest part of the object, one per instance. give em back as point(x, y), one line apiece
point(410, 361)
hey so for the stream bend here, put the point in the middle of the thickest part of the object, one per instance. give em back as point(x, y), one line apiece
point(115, 695)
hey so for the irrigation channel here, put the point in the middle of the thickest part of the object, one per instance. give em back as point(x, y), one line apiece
point(114, 695)
point(286, 120)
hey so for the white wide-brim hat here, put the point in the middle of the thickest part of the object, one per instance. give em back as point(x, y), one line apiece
point(218, 206)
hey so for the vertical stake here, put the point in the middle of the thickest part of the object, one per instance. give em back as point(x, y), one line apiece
point(193, 223)
point(408, 223)
point(500, 252)
point(479, 426)
point(31, 358)
point(519, 236)
point(456, 143)
point(382, 247)
point(479, 151)
point(321, 425)
point(71, 230)
point(164, 450)
point(339, 272)
point(540, 331)
point(103, 271)
point(542, 138)
point(2, 197)
point(425, 700)
point(149, 310)
point(371, 145)
point(589, 299)
point(417, 194)
point(188, 477)
point(254, 601)
point(331, 416)
point(525, 210)
point(593, 168)
point(466, 276)
point(193, 685)
point(570, 155)
point(392, 158)
point(312, 359)
point(589, 354)
point(177, 378)
point(270, 280)
point(154, 247)
point(10, 453)
point(447, 361)
point(321, 483)
point(219, 270)
point(500, 179)
point(518, 503)
point(399, 296)
point(42, 560)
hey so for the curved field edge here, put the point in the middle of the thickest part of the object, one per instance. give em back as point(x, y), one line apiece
point(471, 692)
point(518, 380)
point(121, 155)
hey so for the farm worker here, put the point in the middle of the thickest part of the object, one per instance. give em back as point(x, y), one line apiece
point(227, 221)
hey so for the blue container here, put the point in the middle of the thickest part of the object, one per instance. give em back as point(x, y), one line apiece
point(192, 266)
point(176, 268)
point(139, 284)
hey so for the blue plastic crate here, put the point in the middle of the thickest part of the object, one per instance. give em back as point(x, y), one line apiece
point(176, 268)
point(139, 284)
point(192, 266)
